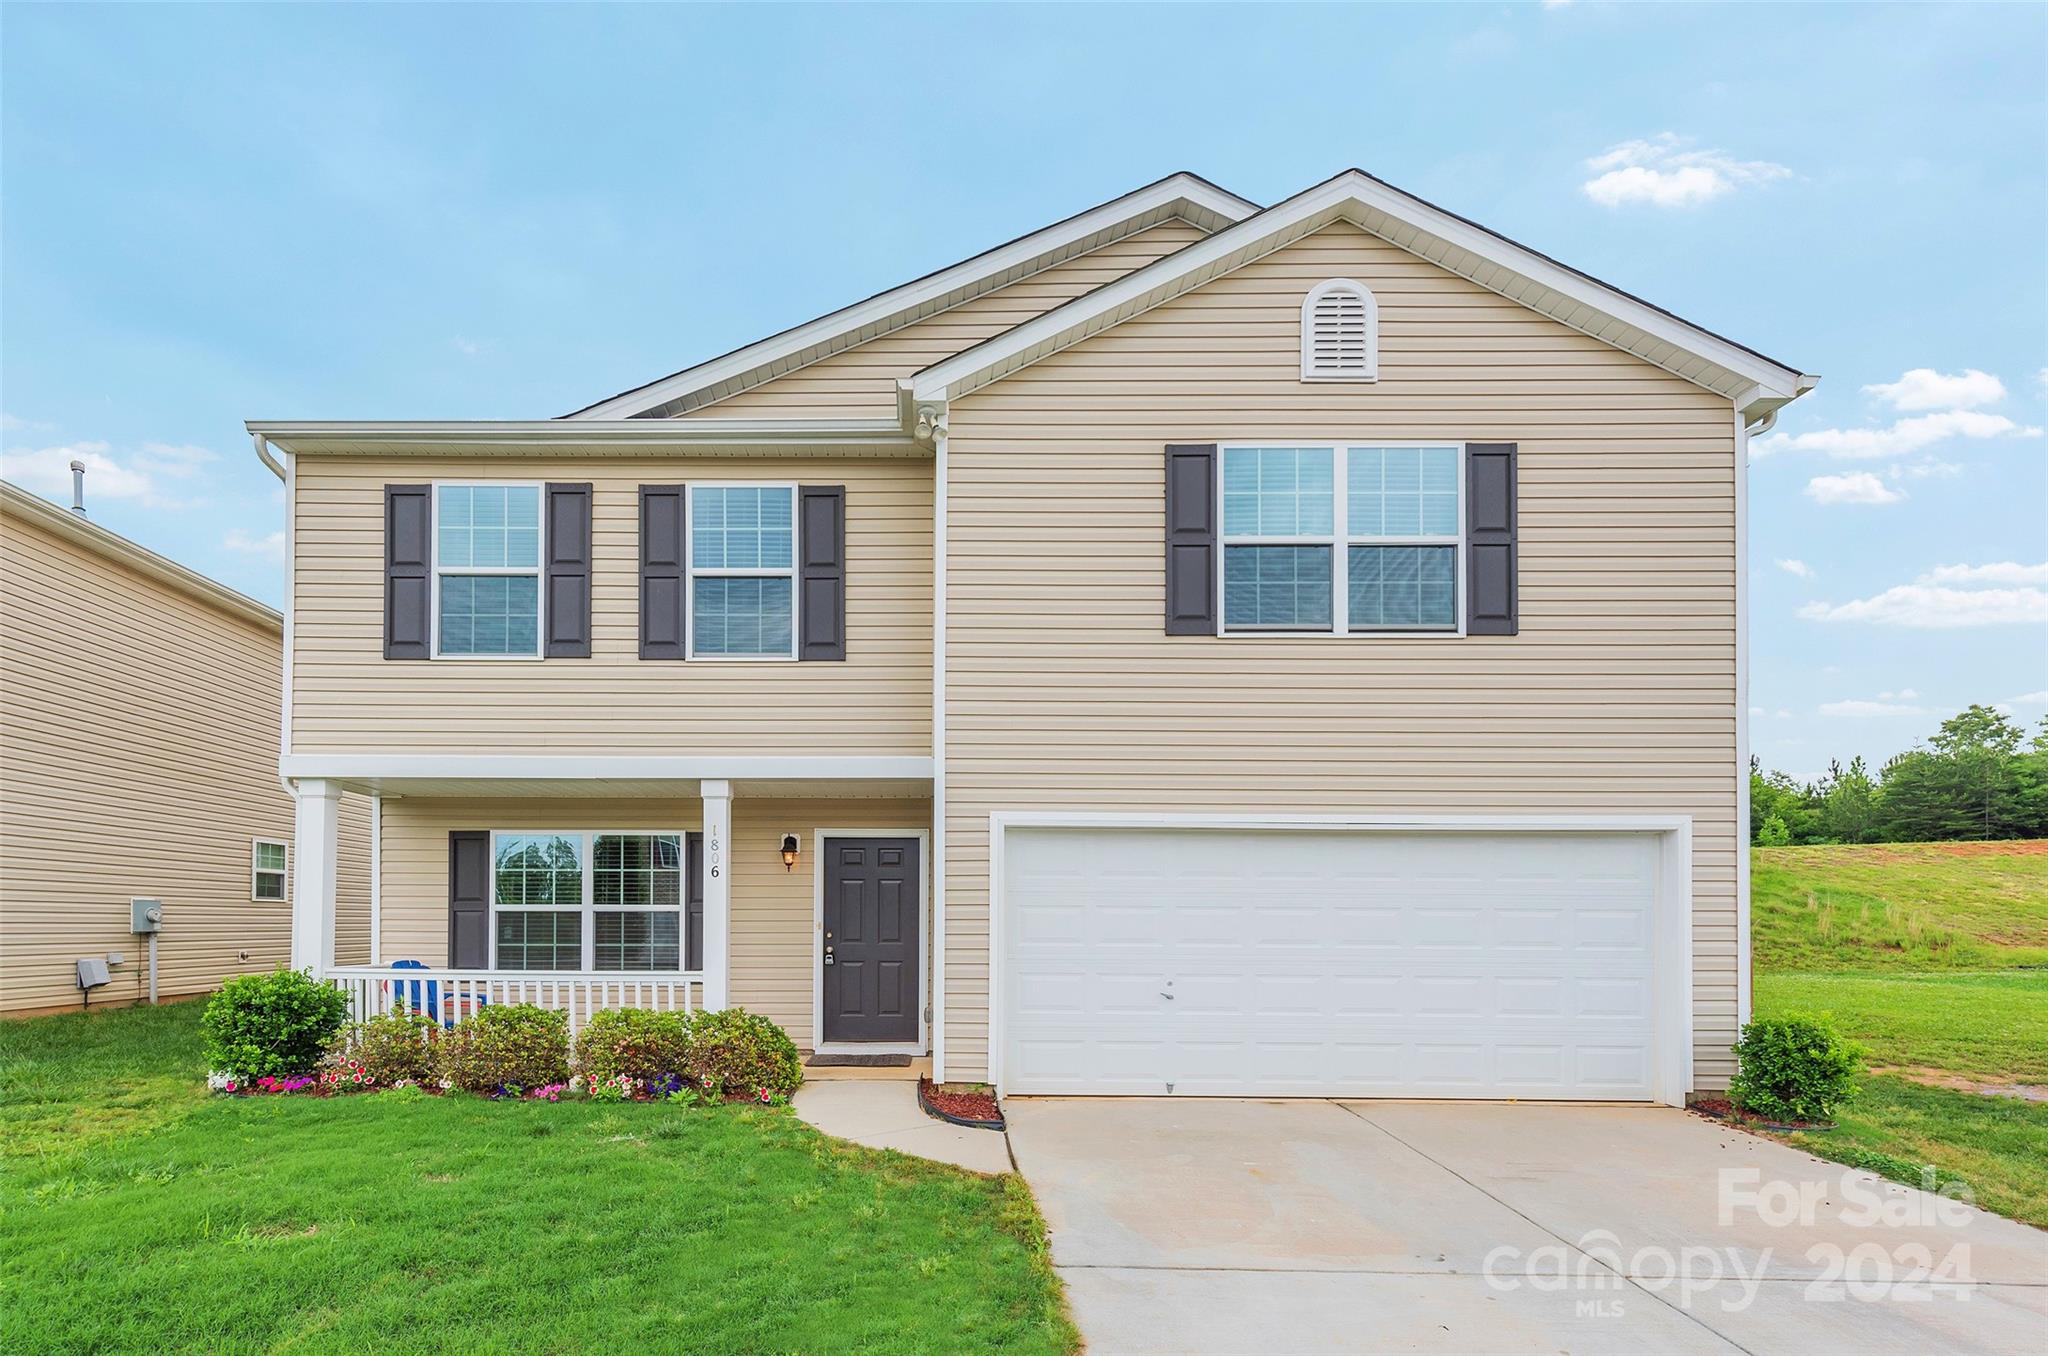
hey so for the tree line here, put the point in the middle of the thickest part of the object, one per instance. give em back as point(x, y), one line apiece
point(1979, 776)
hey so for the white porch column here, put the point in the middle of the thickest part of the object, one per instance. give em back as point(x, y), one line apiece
point(717, 889)
point(315, 843)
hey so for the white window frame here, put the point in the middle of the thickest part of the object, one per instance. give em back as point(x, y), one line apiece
point(284, 893)
point(538, 570)
point(1340, 540)
point(691, 572)
point(1309, 370)
point(587, 854)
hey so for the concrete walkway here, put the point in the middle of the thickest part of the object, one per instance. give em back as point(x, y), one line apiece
point(884, 1114)
point(1316, 1226)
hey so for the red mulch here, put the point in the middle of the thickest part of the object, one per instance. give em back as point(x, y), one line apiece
point(957, 1100)
point(1721, 1109)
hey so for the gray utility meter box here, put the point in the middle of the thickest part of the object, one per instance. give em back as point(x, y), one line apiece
point(145, 915)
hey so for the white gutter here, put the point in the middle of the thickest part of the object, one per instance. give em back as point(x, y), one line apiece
point(263, 455)
point(614, 434)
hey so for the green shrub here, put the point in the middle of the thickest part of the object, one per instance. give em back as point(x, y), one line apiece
point(735, 1051)
point(507, 1047)
point(277, 1024)
point(398, 1047)
point(634, 1041)
point(1794, 1068)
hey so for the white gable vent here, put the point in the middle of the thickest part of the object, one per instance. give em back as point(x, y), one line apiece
point(1340, 333)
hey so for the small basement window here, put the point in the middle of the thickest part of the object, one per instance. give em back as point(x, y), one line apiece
point(1340, 333)
point(267, 868)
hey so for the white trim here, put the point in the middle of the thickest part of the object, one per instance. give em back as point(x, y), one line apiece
point(315, 846)
point(1500, 264)
point(537, 571)
point(577, 767)
point(715, 436)
point(284, 872)
point(937, 1000)
point(691, 571)
point(376, 880)
point(926, 912)
point(794, 348)
point(1309, 370)
point(1339, 541)
point(715, 964)
point(587, 855)
point(1672, 948)
point(291, 590)
point(1743, 982)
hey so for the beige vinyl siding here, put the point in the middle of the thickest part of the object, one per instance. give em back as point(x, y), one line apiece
point(347, 698)
point(138, 757)
point(861, 381)
point(1618, 696)
point(771, 927)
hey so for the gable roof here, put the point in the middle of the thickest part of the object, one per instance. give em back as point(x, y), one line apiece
point(83, 532)
point(1759, 383)
point(1185, 196)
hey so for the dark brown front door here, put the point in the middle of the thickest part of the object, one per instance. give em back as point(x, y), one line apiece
point(871, 960)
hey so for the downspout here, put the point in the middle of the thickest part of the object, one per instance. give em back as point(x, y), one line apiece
point(284, 733)
point(263, 455)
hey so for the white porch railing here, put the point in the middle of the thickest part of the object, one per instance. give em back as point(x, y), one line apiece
point(453, 994)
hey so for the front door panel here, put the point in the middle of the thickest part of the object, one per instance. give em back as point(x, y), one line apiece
point(871, 990)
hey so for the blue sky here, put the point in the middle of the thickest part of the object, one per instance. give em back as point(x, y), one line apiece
point(213, 214)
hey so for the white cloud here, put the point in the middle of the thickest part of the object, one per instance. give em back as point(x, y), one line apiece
point(468, 348)
point(2031, 698)
point(1904, 694)
point(1925, 468)
point(1855, 710)
point(1797, 568)
point(1933, 607)
point(2003, 572)
point(269, 548)
point(1857, 487)
point(108, 475)
point(1923, 388)
point(1899, 439)
point(1662, 172)
point(10, 423)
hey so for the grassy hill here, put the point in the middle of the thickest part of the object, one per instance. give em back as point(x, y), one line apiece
point(1935, 957)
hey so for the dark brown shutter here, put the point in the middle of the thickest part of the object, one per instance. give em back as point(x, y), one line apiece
point(469, 899)
point(664, 552)
point(1191, 539)
point(568, 572)
point(821, 572)
point(1490, 585)
point(693, 901)
point(408, 561)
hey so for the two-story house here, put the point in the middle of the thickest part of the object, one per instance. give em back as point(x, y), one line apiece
point(1193, 648)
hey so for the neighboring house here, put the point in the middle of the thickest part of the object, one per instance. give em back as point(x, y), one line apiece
point(139, 710)
point(1191, 648)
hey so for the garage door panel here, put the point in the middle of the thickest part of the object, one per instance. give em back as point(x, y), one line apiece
point(1329, 963)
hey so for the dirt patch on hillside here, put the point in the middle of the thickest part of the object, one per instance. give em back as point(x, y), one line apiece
point(1941, 1078)
point(2018, 847)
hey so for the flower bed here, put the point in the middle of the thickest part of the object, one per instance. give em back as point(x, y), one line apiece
point(522, 1053)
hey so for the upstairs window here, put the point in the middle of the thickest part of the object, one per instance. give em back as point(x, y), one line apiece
point(742, 572)
point(487, 555)
point(1340, 340)
point(1341, 539)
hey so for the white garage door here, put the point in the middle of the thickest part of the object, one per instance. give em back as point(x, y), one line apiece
point(1330, 963)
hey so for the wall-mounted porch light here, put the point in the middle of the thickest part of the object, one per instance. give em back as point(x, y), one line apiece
point(789, 852)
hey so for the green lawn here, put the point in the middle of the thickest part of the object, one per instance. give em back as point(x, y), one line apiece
point(139, 1214)
point(1935, 957)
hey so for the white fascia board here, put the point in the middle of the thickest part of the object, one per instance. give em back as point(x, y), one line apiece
point(1538, 282)
point(1200, 198)
point(339, 437)
point(571, 767)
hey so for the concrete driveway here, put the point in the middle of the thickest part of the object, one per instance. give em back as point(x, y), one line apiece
point(1316, 1226)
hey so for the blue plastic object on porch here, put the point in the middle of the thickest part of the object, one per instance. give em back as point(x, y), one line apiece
point(424, 995)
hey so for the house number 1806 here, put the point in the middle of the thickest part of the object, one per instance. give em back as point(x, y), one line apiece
point(714, 852)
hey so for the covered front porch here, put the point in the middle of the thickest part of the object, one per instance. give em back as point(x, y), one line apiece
point(796, 888)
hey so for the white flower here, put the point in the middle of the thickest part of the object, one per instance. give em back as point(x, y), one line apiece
point(447, 1083)
point(218, 1082)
